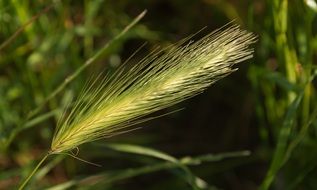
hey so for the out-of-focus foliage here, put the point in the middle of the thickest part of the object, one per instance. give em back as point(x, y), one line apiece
point(268, 106)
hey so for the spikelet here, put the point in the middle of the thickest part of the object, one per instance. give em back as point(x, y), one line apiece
point(160, 80)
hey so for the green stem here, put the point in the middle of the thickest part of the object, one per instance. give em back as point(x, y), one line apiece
point(22, 28)
point(33, 172)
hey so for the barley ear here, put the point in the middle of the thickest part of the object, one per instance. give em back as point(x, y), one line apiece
point(114, 104)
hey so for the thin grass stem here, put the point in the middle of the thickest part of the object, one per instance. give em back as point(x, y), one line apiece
point(33, 172)
point(21, 29)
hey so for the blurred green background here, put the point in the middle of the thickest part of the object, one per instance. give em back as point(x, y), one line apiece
point(268, 107)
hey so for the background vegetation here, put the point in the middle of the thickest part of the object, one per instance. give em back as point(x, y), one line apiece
point(268, 107)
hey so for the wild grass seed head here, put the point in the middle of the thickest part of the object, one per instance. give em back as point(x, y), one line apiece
point(160, 80)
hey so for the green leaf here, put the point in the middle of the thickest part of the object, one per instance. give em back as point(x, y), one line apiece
point(114, 176)
point(193, 180)
point(128, 148)
point(278, 159)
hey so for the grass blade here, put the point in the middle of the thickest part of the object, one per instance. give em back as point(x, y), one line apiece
point(282, 144)
point(112, 177)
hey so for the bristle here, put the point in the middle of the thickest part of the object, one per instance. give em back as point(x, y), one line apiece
point(160, 80)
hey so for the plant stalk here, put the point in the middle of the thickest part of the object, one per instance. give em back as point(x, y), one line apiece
point(33, 172)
